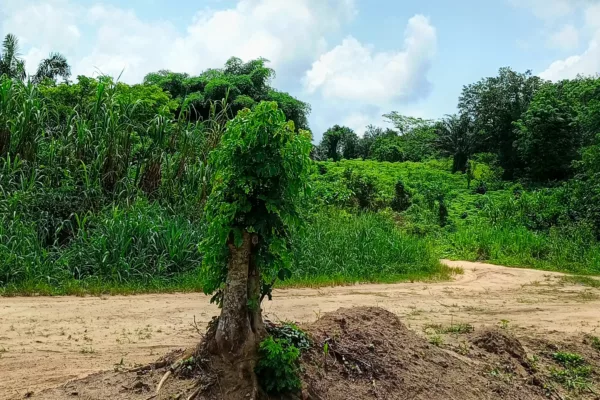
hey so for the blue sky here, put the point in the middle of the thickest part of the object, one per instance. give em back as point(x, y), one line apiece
point(352, 60)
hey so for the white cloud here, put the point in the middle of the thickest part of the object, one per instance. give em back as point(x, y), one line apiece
point(586, 63)
point(567, 38)
point(548, 9)
point(352, 71)
point(359, 120)
point(289, 33)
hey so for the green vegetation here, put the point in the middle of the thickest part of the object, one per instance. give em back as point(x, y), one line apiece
point(113, 188)
point(278, 370)
point(574, 372)
point(278, 367)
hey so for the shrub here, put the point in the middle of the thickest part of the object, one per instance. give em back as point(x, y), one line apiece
point(278, 368)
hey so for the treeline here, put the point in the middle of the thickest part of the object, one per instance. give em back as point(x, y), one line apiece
point(536, 129)
point(530, 131)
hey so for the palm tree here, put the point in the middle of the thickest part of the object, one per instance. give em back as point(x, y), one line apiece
point(13, 66)
point(52, 67)
point(10, 63)
point(457, 137)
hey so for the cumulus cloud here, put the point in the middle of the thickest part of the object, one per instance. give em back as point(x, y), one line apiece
point(289, 33)
point(567, 38)
point(586, 63)
point(355, 72)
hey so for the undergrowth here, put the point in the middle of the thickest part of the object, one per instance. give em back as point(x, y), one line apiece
point(278, 368)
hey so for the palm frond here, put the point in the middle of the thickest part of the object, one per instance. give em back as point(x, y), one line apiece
point(54, 66)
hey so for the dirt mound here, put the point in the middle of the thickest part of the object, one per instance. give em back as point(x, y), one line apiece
point(367, 353)
point(356, 353)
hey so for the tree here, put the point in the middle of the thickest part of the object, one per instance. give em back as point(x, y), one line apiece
point(339, 142)
point(456, 137)
point(260, 169)
point(10, 64)
point(13, 66)
point(365, 144)
point(493, 105)
point(405, 124)
point(51, 68)
point(243, 84)
point(548, 137)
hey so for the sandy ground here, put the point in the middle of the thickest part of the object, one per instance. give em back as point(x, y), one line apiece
point(45, 341)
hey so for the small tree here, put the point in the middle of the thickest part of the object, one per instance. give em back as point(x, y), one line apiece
point(260, 168)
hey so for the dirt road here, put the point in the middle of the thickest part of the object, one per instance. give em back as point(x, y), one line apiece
point(47, 341)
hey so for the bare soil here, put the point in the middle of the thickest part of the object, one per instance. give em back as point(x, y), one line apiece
point(45, 342)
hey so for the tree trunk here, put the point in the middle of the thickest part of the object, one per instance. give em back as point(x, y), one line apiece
point(240, 328)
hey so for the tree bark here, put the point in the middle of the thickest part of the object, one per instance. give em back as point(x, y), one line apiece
point(240, 328)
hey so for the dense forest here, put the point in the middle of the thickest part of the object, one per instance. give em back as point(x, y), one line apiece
point(104, 185)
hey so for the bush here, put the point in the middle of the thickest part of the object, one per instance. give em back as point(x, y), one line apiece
point(278, 366)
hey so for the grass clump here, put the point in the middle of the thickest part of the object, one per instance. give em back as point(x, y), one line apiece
point(457, 329)
point(574, 374)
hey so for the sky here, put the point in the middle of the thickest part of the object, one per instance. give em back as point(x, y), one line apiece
point(352, 60)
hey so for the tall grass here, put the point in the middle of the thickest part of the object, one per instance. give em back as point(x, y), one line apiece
point(571, 250)
point(101, 193)
point(338, 247)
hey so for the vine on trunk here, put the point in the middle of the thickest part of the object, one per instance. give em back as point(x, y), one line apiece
point(260, 169)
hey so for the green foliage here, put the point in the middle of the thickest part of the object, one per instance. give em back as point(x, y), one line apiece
point(493, 104)
point(337, 143)
point(291, 333)
point(278, 366)
point(547, 138)
point(338, 247)
point(595, 342)
point(401, 201)
point(568, 360)
point(260, 169)
point(243, 85)
point(13, 67)
point(575, 374)
point(457, 138)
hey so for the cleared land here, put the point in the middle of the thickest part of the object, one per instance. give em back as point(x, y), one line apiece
point(61, 338)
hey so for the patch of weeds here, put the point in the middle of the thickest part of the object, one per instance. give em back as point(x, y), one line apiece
point(120, 365)
point(575, 373)
point(504, 324)
point(457, 329)
point(534, 363)
point(581, 280)
point(595, 342)
point(568, 360)
point(464, 348)
point(502, 373)
point(144, 333)
point(436, 340)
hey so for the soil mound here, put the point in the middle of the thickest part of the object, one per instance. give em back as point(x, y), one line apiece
point(367, 353)
point(356, 353)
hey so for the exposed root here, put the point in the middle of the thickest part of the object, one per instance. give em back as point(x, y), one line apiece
point(156, 365)
point(163, 380)
point(195, 393)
